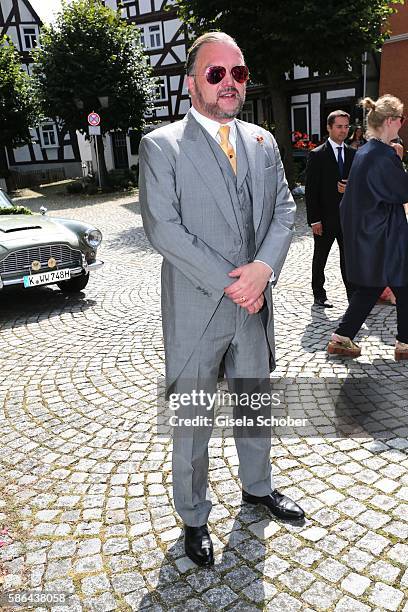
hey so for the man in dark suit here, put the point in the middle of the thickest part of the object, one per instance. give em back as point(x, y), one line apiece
point(327, 170)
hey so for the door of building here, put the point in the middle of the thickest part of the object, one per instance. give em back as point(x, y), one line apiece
point(120, 153)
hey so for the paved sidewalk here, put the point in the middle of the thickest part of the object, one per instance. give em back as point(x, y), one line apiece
point(85, 487)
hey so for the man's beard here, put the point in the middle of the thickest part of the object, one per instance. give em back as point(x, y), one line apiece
point(213, 110)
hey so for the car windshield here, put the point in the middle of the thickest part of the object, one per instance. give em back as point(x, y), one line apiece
point(5, 201)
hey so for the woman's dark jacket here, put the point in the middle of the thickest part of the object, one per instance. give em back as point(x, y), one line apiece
point(373, 220)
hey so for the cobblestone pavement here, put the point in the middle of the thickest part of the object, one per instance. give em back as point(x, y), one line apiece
point(86, 487)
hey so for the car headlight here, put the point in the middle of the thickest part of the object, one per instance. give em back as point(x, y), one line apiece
point(93, 238)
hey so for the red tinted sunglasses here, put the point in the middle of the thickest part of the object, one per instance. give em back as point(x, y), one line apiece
point(215, 74)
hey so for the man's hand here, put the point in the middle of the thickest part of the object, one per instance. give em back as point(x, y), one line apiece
point(317, 229)
point(341, 186)
point(256, 306)
point(252, 280)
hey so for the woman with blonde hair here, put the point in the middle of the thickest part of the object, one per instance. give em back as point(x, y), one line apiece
point(375, 228)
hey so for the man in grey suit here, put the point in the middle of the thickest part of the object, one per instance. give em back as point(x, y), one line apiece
point(216, 204)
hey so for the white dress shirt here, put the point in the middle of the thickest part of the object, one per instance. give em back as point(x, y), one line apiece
point(335, 147)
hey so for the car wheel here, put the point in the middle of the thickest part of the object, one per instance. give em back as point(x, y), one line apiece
point(75, 284)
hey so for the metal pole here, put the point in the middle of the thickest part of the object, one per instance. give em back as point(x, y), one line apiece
point(97, 161)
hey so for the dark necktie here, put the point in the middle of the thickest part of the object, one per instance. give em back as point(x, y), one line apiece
point(340, 161)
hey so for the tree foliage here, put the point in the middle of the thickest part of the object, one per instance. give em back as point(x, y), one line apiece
point(328, 36)
point(18, 110)
point(89, 52)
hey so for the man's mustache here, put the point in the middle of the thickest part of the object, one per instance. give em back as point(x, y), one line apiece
point(229, 90)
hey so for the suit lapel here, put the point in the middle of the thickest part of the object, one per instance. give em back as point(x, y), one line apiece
point(196, 147)
point(256, 162)
point(332, 157)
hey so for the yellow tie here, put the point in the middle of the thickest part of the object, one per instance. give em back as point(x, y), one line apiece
point(227, 147)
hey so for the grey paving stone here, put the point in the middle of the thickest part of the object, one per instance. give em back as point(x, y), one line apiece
point(384, 571)
point(240, 577)
point(259, 591)
point(219, 597)
point(272, 566)
point(399, 552)
point(115, 545)
point(175, 593)
point(331, 544)
point(306, 556)
point(92, 563)
point(332, 570)
point(95, 584)
point(88, 547)
point(355, 584)
point(373, 519)
point(373, 542)
point(321, 596)
point(385, 596)
point(103, 603)
point(284, 601)
point(127, 582)
point(297, 580)
point(348, 604)
point(357, 559)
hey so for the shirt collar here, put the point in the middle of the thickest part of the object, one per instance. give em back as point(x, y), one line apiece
point(335, 145)
point(212, 126)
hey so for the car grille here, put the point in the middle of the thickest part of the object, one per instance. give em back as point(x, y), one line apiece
point(19, 262)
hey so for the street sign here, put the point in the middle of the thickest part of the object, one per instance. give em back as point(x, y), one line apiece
point(94, 119)
point(94, 130)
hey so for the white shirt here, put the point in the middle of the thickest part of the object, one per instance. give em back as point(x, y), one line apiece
point(335, 147)
point(212, 128)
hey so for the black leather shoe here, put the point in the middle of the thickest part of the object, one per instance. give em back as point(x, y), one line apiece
point(198, 545)
point(322, 303)
point(281, 506)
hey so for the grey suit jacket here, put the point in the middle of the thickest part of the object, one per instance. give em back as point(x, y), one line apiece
point(189, 218)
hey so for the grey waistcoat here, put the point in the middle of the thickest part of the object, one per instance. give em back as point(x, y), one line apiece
point(240, 190)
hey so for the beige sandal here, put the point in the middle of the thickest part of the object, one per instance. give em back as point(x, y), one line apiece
point(401, 350)
point(341, 345)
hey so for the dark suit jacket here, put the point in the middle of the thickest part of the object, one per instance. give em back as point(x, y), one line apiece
point(322, 175)
point(375, 228)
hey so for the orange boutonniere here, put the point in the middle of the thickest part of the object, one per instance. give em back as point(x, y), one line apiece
point(260, 139)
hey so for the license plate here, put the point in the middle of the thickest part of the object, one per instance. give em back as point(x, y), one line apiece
point(46, 278)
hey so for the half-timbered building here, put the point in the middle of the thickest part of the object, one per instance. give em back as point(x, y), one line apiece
point(164, 38)
point(50, 155)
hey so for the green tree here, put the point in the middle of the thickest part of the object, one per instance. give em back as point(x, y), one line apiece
point(17, 106)
point(329, 36)
point(89, 53)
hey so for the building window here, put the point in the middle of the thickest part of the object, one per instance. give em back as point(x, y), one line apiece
point(300, 119)
point(161, 89)
point(151, 36)
point(30, 37)
point(247, 113)
point(48, 133)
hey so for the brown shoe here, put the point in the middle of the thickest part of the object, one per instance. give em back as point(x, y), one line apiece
point(341, 345)
point(401, 350)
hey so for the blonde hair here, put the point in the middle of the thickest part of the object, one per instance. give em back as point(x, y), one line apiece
point(386, 106)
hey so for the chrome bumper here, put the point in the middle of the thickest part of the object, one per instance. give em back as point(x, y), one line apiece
point(74, 272)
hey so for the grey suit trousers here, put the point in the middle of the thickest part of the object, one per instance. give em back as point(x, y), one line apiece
point(240, 339)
